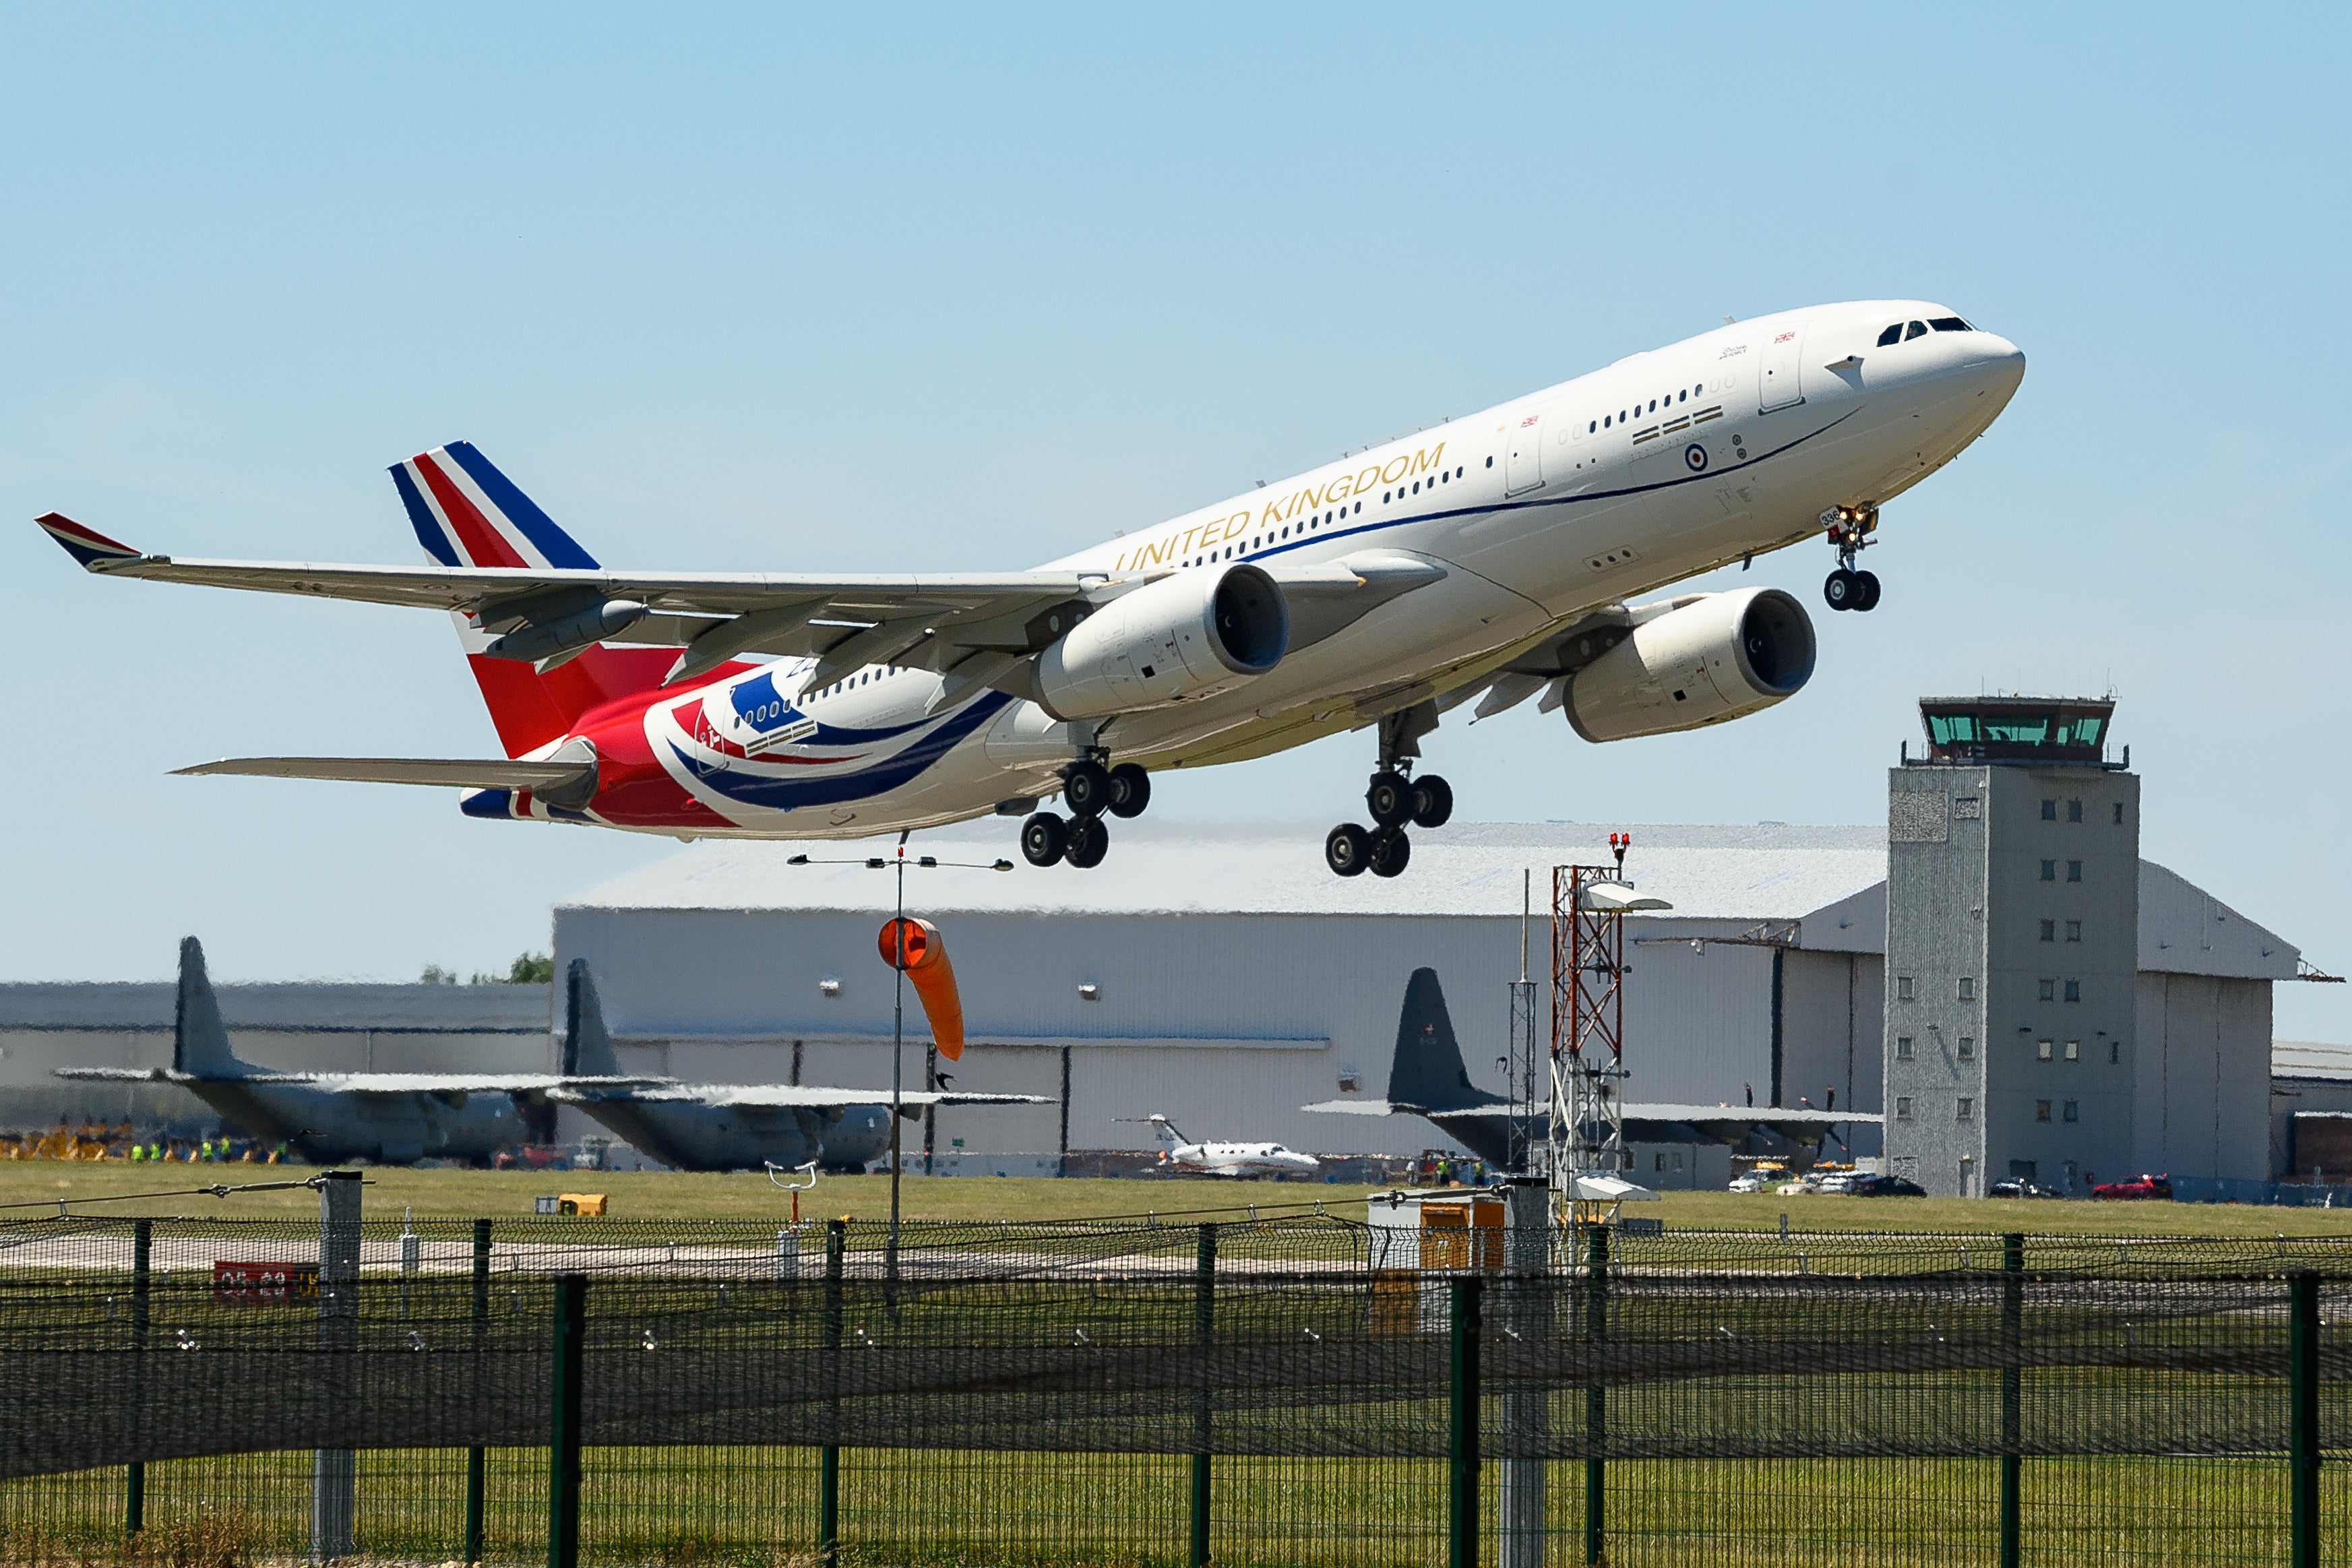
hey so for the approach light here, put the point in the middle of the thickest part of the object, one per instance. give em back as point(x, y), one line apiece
point(877, 864)
point(1002, 865)
point(797, 859)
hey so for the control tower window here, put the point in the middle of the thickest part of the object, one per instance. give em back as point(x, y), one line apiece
point(1917, 330)
point(1950, 324)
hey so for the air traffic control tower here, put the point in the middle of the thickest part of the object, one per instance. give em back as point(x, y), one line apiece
point(2012, 908)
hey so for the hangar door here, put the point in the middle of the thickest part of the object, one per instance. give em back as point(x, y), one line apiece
point(1781, 377)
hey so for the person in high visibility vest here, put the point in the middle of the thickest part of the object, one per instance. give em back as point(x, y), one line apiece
point(138, 1153)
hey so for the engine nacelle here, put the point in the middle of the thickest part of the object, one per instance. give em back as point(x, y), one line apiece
point(1190, 635)
point(1724, 656)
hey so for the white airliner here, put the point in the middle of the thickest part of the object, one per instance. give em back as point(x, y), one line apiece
point(1228, 1159)
point(1487, 560)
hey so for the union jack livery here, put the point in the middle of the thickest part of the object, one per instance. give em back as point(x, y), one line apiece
point(1491, 558)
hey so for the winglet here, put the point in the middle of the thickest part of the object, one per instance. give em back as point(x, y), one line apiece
point(87, 546)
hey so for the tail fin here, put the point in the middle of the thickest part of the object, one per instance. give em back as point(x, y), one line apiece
point(1428, 1073)
point(467, 513)
point(587, 1044)
point(1168, 1132)
point(199, 1039)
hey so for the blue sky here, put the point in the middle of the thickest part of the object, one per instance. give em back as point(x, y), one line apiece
point(757, 289)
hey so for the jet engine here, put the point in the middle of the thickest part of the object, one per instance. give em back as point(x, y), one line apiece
point(1189, 635)
point(1719, 656)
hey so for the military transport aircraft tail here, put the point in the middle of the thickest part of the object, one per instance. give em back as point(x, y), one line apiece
point(200, 1044)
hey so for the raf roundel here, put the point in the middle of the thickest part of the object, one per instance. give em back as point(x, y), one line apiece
point(1695, 457)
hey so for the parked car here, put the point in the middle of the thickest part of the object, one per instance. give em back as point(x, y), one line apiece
point(2018, 1186)
point(2134, 1186)
point(1837, 1180)
point(1762, 1179)
point(1883, 1187)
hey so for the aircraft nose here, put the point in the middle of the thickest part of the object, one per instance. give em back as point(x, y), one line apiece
point(2004, 359)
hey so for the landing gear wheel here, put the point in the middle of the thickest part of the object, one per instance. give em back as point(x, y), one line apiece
point(1390, 799)
point(1044, 837)
point(1087, 789)
point(1130, 790)
point(1432, 801)
point(1348, 849)
point(1869, 584)
point(1390, 852)
point(1089, 842)
point(1843, 588)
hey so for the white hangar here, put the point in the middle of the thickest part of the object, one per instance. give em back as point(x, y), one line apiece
point(1221, 977)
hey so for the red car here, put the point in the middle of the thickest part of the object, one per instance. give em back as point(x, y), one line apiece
point(2136, 1186)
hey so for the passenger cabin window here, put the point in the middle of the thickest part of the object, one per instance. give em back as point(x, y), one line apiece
point(1954, 324)
point(1917, 330)
point(1892, 336)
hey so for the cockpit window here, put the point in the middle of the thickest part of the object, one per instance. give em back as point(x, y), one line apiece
point(1891, 336)
point(1950, 324)
point(1917, 330)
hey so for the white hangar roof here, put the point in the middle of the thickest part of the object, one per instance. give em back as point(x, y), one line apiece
point(1753, 873)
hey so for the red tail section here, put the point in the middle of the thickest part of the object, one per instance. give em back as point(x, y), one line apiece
point(467, 513)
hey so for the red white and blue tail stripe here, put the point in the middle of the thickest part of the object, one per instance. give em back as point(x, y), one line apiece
point(87, 546)
point(467, 513)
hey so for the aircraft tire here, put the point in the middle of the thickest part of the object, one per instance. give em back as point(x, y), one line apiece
point(1841, 589)
point(1347, 849)
point(1044, 838)
point(1087, 789)
point(1089, 842)
point(1868, 598)
point(1391, 852)
point(1390, 799)
point(1130, 790)
point(1432, 801)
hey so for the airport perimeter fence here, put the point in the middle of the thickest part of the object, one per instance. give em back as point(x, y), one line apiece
point(208, 1392)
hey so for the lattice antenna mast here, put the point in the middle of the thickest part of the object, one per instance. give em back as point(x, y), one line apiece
point(1586, 1121)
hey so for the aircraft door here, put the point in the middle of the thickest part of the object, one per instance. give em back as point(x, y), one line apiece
point(1779, 380)
point(1523, 459)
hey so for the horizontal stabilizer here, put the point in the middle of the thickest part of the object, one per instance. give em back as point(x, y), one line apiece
point(450, 1082)
point(120, 1074)
point(1359, 1108)
point(785, 1096)
point(461, 773)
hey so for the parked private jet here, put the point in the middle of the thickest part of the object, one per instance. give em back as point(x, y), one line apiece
point(731, 1126)
point(1490, 559)
point(1228, 1159)
point(391, 1118)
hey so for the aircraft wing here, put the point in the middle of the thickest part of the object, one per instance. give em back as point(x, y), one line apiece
point(785, 1096)
point(466, 773)
point(450, 1082)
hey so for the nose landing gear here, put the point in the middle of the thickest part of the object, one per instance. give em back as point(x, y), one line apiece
point(1088, 788)
point(1849, 530)
point(1394, 800)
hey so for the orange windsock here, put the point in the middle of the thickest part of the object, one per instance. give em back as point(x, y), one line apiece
point(915, 947)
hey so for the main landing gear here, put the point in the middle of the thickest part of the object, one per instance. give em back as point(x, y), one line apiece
point(1088, 788)
point(1395, 799)
point(1849, 530)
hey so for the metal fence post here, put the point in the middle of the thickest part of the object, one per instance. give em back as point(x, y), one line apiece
point(478, 1457)
point(142, 1244)
point(335, 1472)
point(1461, 1433)
point(2012, 1403)
point(563, 1422)
point(828, 1458)
point(1596, 1397)
point(1204, 1328)
point(1524, 1315)
point(2302, 1435)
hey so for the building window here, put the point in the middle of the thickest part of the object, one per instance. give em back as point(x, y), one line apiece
point(2049, 810)
point(1968, 988)
point(2074, 871)
point(2050, 931)
point(2074, 1110)
point(1968, 1109)
point(2073, 810)
point(1903, 1107)
point(2074, 1050)
point(2043, 1050)
point(1903, 988)
point(2048, 990)
point(1902, 1047)
point(2073, 990)
point(2119, 813)
point(2041, 1110)
point(1968, 1048)
point(2050, 871)
point(2114, 1053)
point(2074, 930)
